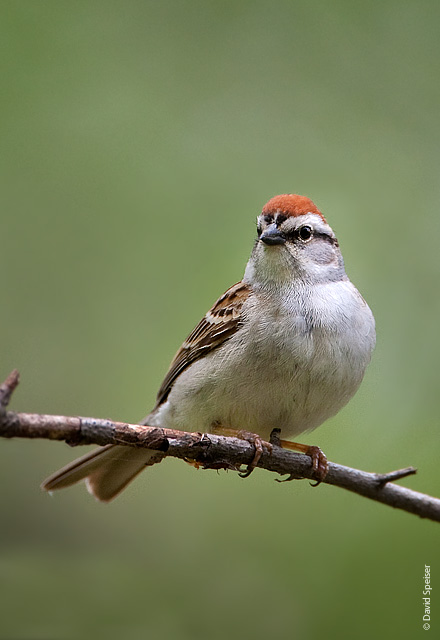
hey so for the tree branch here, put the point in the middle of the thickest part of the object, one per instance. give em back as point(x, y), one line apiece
point(210, 451)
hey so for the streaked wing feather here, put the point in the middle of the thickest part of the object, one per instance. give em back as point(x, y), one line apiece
point(219, 324)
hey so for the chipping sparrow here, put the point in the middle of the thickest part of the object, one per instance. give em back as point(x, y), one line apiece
point(286, 347)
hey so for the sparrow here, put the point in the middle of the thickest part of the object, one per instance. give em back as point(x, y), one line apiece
point(284, 349)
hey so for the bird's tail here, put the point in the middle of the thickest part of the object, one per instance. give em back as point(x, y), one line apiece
point(107, 470)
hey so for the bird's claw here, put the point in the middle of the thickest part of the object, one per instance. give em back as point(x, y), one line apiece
point(259, 445)
point(319, 464)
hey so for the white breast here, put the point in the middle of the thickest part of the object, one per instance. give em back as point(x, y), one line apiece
point(297, 359)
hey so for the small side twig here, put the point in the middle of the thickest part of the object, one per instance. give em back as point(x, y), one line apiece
point(211, 451)
point(8, 387)
point(392, 476)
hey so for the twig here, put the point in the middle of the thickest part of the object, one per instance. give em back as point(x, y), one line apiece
point(7, 388)
point(210, 451)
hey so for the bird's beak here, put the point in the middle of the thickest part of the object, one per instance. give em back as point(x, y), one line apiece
point(272, 235)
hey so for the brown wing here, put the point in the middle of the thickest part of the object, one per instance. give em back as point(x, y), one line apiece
point(219, 324)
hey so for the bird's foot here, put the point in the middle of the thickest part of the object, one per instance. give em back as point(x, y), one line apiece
point(259, 445)
point(319, 460)
point(252, 438)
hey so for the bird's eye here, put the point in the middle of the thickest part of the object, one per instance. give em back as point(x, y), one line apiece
point(305, 233)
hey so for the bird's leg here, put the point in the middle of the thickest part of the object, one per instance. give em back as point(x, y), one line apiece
point(319, 460)
point(253, 438)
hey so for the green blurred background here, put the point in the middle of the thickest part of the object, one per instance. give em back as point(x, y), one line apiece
point(139, 140)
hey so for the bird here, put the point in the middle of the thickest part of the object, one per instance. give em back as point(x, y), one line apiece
point(283, 349)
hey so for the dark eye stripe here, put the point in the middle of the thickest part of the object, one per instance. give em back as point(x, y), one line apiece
point(325, 236)
point(294, 235)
